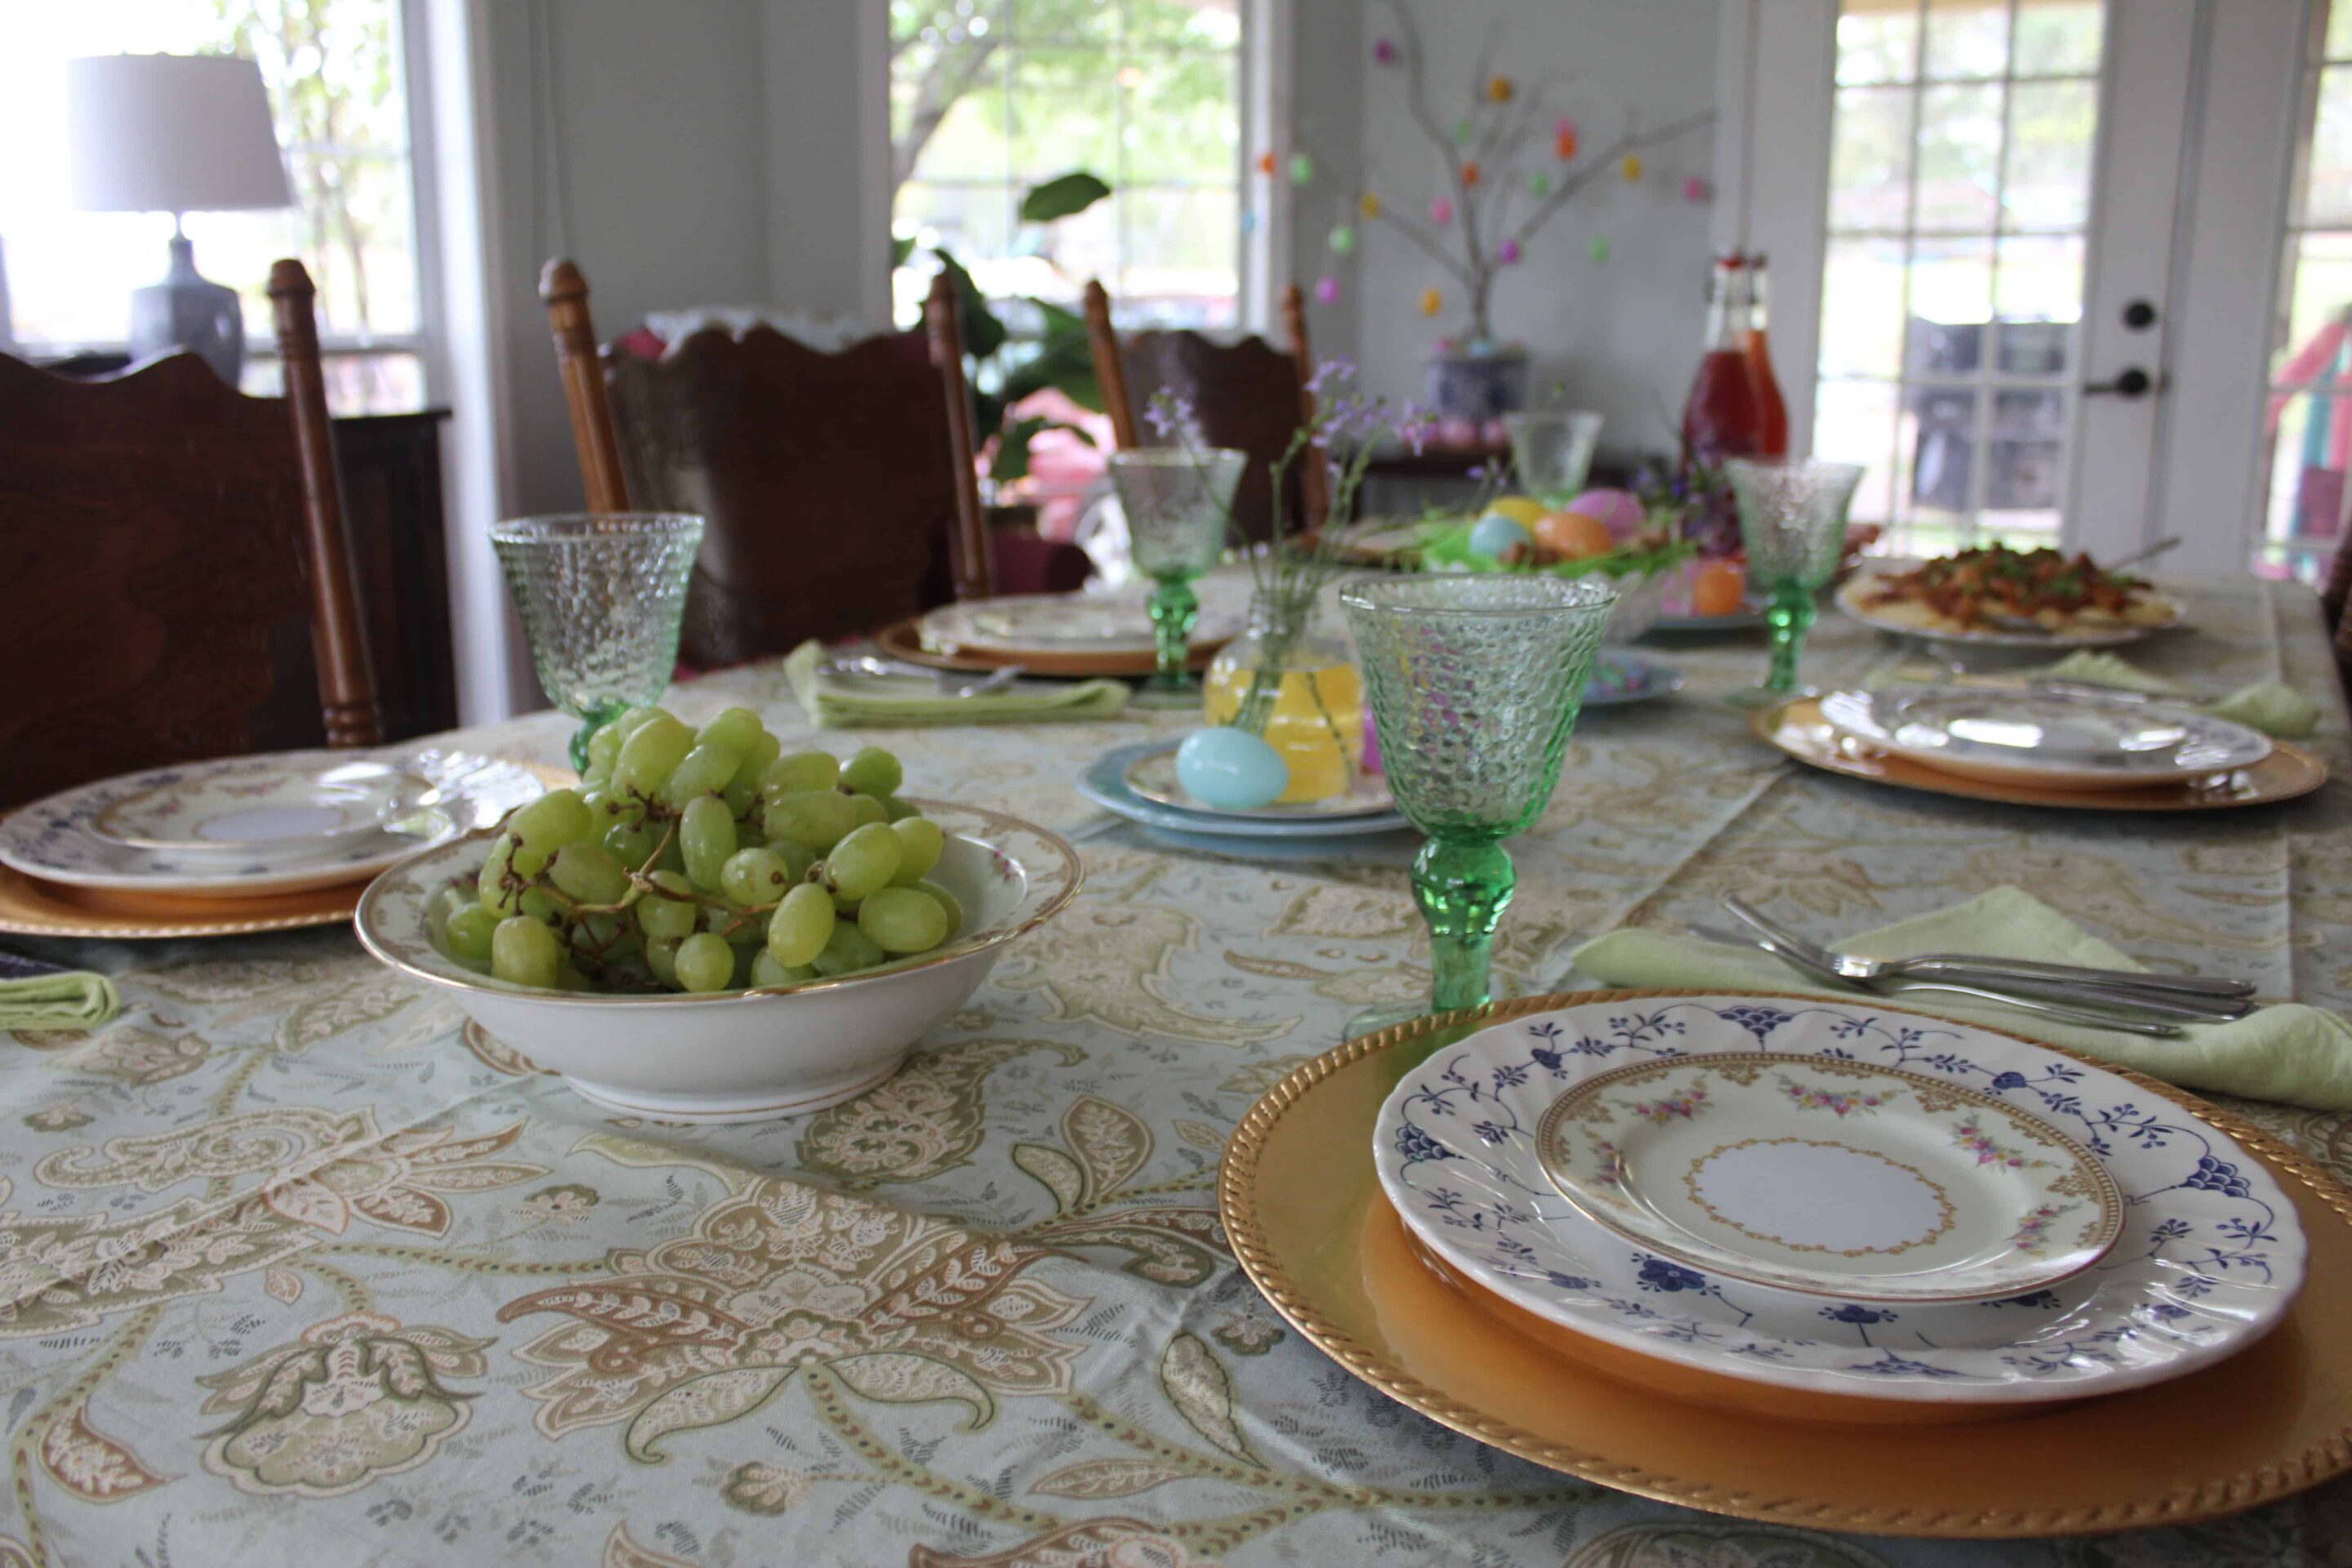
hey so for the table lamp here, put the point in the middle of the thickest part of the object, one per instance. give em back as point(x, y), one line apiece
point(175, 134)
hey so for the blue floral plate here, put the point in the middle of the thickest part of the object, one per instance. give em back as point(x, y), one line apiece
point(2209, 1258)
point(1104, 782)
point(1621, 676)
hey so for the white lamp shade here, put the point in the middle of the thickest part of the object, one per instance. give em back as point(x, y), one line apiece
point(171, 133)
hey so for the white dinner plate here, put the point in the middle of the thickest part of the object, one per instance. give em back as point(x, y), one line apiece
point(1062, 623)
point(1906, 620)
point(1831, 1178)
point(2051, 738)
point(58, 839)
point(2210, 1257)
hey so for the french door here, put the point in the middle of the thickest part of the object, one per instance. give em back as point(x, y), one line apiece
point(2025, 256)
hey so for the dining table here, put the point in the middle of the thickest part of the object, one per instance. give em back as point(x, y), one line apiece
point(297, 1264)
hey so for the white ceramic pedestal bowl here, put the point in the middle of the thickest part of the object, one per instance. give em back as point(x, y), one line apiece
point(747, 1056)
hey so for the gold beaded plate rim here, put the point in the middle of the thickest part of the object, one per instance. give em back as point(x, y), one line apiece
point(2208, 1497)
point(30, 907)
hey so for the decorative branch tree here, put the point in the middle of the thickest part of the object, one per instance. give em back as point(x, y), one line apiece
point(1482, 156)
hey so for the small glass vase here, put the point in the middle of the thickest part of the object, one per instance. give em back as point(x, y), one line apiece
point(1292, 682)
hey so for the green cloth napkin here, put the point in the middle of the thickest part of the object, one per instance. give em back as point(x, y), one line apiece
point(78, 1000)
point(890, 701)
point(2270, 706)
point(2288, 1053)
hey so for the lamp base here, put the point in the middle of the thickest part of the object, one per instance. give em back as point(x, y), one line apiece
point(184, 312)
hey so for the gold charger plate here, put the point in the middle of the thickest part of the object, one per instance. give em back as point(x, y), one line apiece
point(903, 639)
point(1302, 1207)
point(31, 907)
point(1798, 727)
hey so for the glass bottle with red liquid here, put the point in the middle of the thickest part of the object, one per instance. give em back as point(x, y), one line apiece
point(1724, 417)
point(1771, 411)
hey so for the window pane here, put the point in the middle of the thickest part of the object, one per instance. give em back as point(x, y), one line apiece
point(1181, 253)
point(1870, 159)
point(2048, 181)
point(1877, 47)
point(1184, 23)
point(2041, 278)
point(1967, 39)
point(2311, 441)
point(973, 222)
point(921, 22)
point(2317, 302)
point(1862, 308)
point(1960, 156)
point(1943, 446)
point(1063, 113)
point(1951, 300)
point(1853, 422)
point(2328, 199)
point(2060, 38)
point(1180, 119)
point(967, 140)
point(1063, 22)
point(2339, 31)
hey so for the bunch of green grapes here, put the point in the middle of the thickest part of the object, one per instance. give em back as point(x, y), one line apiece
point(705, 859)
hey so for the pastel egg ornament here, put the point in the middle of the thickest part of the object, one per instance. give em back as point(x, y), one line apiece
point(1571, 536)
point(1619, 511)
point(1501, 538)
point(1327, 289)
point(1507, 253)
point(1231, 770)
point(1432, 301)
point(1440, 212)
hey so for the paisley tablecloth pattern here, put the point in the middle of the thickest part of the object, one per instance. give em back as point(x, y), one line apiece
point(295, 1266)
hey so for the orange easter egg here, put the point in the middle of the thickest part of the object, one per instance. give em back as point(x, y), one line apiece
point(1571, 535)
point(1718, 587)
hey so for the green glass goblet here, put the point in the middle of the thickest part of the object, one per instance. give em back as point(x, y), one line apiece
point(1178, 505)
point(602, 596)
point(1475, 680)
point(1792, 522)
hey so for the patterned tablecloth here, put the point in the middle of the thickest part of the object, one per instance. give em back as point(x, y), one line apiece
point(294, 1266)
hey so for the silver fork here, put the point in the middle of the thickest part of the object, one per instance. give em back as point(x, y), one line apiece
point(2024, 1003)
point(2190, 996)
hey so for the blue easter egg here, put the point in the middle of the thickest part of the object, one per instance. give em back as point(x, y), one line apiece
point(1497, 535)
point(1231, 769)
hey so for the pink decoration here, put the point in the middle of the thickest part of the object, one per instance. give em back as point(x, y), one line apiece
point(1693, 189)
point(1372, 747)
point(1564, 129)
point(1440, 212)
point(1457, 433)
point(1494, 433)
point(1327, 289)
point(1616, 511)
point(1507, 253)
point(1384, 51)
point(1444, 346)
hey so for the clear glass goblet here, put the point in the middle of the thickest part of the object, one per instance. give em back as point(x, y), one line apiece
point(1475, 680)
point(1552, 448)
point(1178, 506)
point(1792, 522)
point(602, 596)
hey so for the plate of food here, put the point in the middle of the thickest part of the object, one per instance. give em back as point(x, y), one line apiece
point(1996, 595)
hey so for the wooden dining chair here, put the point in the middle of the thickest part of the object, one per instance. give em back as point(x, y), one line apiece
point(178, 581)
point(2338, 588)
point(1248, 395)
point(839, 489)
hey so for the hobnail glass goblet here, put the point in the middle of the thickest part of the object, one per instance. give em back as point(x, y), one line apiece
point(1552, 448)
point(1178, 504)
point(1475, 680)
point(602, 596)
point(1792, 522)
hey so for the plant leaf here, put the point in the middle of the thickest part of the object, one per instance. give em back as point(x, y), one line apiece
point(711, 1400)
point(901, 249)
point(1195, 1383)
point(1110, 1140)
point(1108, 1478)
point(902, 1377)
point(1062, 1175)
point(1012, 461)
point(1062, 196)
point(984, 333)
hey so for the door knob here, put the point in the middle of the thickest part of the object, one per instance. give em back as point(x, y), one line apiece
point(2140, 315)
point(2133, 383)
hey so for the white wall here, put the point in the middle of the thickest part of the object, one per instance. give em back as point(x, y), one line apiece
point(1623, 335)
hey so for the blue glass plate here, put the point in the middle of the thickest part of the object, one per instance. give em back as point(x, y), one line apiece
point(1104, 782)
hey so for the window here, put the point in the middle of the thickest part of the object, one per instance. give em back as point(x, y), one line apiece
point(1960, 198)
point(989, 98)
point(335, 73)
point(2307, 422)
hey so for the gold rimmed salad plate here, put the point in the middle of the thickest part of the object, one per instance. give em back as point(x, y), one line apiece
point(1831, 1178)
point(1799, 728)
point(2062, 739)
point(1302, 1206)
point(1153, 777)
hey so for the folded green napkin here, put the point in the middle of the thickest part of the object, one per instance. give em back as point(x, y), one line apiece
point(2288, 1053)
point(889, 701)
point(2270, 706)
point(78, 1000)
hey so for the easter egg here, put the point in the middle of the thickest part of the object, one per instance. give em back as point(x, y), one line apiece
point(1501, 536)
point(1525, 511)
point(1471, 173)
point(1230, 769)
point(1718, 587)
point(1302, 168)
point(1369, 205)
point(1432, 301)
point(1572, 536)
point(1327, 289)
point(1500, 89)
point(1617, 510)
point(1440, 212)
point(1507, 253)
point(1343, 240)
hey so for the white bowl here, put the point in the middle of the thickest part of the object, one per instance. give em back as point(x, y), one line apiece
point(747, 1056)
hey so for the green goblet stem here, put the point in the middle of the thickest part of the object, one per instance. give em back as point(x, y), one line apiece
point(592, 720)
point(1173, 608)
point(1463, 887)
point(1790, 614)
